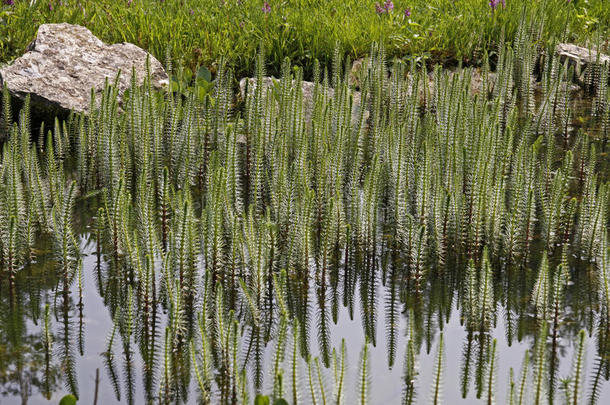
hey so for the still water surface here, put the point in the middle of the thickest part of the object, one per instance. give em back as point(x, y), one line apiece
point(37, 284)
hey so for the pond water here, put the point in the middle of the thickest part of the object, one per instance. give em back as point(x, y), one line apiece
point(210, 252)
point(22, 380)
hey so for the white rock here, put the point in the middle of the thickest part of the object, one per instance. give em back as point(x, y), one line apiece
point(66, 61)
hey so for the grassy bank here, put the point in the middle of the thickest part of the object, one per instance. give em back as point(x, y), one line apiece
point(200, 31)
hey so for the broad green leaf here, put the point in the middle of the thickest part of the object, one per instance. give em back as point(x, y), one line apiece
point(68, 400)
point(204, 74)
point(261, 400)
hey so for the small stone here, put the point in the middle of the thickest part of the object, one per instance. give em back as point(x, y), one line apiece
point(354, 75)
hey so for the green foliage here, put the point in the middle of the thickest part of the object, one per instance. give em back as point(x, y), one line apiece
point(264, 400)
point(199, 32)
point(540, 296)
point(410, 367)
point(578, 370)
point(229, 234)
point(436, 396)
point(261, 400)
point(68, 400)
point(364, 376)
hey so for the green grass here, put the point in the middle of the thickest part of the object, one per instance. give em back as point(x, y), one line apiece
point(199, 32)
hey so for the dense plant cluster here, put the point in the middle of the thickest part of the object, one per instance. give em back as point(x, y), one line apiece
point(222, 229)
point(199, 32)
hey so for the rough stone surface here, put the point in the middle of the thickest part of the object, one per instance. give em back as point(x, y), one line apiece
point(584, 60)
point(581, 56)
point(476, 79)
point(308, 89)
point(354, 75)
point(476, 86)
point(66, 61)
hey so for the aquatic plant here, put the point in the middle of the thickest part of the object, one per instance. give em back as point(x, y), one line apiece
point(437, 384)
point(229, 233)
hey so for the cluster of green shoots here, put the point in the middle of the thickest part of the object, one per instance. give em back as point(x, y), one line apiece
point(227, 232)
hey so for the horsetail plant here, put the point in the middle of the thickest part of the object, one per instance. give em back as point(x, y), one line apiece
point(229, 229)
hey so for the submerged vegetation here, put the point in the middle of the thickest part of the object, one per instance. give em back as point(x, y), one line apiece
point(228, 236)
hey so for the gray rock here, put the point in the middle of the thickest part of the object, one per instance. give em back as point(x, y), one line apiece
point(269, 83)
point(308, 90)
point(581, 56)
point(66, 61)
point(477, 80)
point(272, 84)
point(354, 75)
point(584, 60)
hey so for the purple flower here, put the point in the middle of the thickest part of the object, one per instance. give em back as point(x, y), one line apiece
point(494, 4)
point(8, 2)
point(266, 8)
point(378, 9)
point(389, 6)
point(407, 12)
point(192, 12)
point(50, 6)
point(242, 24)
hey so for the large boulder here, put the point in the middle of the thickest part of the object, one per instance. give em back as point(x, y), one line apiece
point(66, 61)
